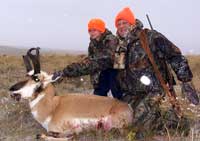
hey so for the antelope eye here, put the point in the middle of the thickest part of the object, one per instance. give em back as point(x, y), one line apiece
point(35, 78)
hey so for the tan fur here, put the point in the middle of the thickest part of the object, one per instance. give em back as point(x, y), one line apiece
point(62, 109)
point(71, 113)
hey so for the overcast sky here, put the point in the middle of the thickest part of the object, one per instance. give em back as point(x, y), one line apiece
point(62, 24)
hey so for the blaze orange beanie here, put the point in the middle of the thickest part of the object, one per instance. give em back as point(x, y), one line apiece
point(97, 24)
point(127, 15)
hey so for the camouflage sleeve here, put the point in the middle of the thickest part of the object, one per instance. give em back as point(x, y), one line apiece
point(90, 64)
point(174, 57)
point(87, 66)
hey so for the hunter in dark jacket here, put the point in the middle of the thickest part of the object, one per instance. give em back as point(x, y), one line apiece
point(138, 80)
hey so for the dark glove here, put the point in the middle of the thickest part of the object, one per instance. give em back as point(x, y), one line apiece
point(190, 92)
point(58, 75)
point(72, 70)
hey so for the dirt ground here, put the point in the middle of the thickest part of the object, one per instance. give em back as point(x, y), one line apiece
point(17, 123)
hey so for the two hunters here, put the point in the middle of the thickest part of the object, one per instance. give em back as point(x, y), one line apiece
point(138, 64)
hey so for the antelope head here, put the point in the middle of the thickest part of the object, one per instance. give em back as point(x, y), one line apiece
point(36, 81)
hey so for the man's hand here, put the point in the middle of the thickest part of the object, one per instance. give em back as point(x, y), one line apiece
point(58, 75)
point(190, 92)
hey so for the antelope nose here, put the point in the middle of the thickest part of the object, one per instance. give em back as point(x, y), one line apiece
point(15, 96)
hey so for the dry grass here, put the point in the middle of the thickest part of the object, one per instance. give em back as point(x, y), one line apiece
point(15, 119)
point(16, 122)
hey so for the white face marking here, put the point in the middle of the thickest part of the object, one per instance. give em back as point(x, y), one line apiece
point(28, 90)
point(46, 122)
point(145, 80)
point(35, 101)
point(47, 77)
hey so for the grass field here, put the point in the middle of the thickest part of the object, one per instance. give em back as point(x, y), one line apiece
point(16, 122)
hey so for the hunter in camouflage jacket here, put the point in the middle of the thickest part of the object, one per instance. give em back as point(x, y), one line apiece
point(99, 48)
point(137, 64)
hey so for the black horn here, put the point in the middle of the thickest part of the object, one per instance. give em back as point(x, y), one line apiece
point(35, 58)
point(27, 63)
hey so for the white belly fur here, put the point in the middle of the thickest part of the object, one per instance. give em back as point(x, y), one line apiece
point(80, 124)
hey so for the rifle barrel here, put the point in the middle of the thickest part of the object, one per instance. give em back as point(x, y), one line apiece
point(149, 21)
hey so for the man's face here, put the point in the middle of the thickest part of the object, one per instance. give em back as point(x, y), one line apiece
point(94, 34)
point(123, 28)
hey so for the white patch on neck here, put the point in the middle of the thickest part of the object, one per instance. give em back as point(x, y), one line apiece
point(35, 101)
point(35, 114)
point(46, 122)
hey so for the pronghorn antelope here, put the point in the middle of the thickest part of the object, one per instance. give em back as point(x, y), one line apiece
point(65, 115)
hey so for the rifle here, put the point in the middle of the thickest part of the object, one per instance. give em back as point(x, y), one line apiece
point(169, 90)
point(149, 21)
point(170, 77)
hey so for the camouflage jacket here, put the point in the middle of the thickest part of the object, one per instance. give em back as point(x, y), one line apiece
point(100, 56)
point(137, 63)
point(99, 48)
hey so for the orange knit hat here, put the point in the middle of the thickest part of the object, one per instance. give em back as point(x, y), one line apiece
point(125, 14)
point(97, 24)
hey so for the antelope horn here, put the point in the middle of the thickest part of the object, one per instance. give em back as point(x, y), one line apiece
point(35, 59)
point(27, 63)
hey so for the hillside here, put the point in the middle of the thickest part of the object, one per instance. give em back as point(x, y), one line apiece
point(8, 50)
